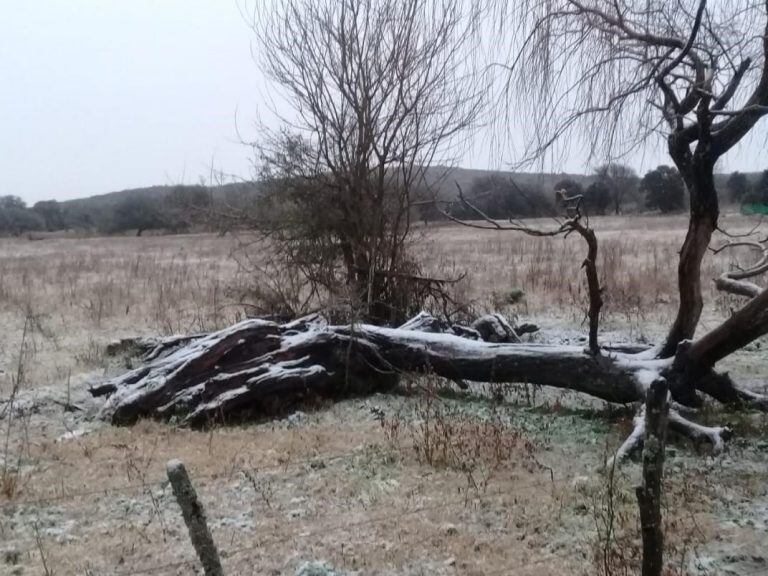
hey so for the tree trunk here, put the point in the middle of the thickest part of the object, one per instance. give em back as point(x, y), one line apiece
point(593, 286)
point(744, 326)
point(258, 367)
point(698, 175)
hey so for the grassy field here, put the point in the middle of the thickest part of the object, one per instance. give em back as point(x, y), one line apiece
point(354, 484)
point(76, 295)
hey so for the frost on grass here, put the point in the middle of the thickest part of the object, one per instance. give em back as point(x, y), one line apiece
point(317, 569)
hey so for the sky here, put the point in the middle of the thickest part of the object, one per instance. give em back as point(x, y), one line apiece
point(104, 95)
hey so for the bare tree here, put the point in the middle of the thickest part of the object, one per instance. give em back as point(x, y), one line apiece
point(570, 203)
point(616, 72)
point(379, 91)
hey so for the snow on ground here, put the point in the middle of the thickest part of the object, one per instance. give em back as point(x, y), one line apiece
point(327, 489)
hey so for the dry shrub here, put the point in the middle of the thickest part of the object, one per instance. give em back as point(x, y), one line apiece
point(445, 436)
point(637, 264)
point(16, 433)
point(617, 546)
point(617, 549)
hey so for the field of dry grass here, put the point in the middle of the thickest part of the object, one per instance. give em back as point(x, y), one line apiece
point(350, 483)
point(638, 258)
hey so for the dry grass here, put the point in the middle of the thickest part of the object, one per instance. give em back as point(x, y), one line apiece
point(637, 267)
point(278, 496)
point(82, 293)
point(275, 493)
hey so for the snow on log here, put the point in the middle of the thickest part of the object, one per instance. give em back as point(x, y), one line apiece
point(258, 366)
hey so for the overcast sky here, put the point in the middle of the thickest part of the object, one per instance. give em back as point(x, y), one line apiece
point(103, 95)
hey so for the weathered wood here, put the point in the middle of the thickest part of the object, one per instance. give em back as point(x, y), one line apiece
point(594, 289)
point(258, 367)
point(149, 347)
point(741, 328)
point(489, 328)
point(194, 517)
point(495, 328)
point(634, 441)
point(649, 492)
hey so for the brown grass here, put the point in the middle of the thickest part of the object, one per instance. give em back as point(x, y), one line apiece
point(275, 493)
point(83, 293)
point(637, 266)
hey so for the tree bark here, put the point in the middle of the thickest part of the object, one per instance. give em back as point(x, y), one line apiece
point(261, 368)
point(649, 492)
point(704, 213)
point(194, 517)
point(593, 286)
point(744, 326)
point(258, 366)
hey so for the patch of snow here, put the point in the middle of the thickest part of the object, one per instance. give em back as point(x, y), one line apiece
point(317, 569)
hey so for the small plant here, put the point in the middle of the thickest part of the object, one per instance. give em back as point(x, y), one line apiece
point(617, 546)
point(10, 474)
point(263, 486)
point(445, 436)
point(507, 298)
point(616, 550)
point(43, 559)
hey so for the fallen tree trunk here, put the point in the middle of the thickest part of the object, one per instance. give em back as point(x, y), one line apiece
point(256, 363)
point(259, 367)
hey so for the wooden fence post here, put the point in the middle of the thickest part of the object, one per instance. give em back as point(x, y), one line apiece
point(649, 492)
point(194, 517)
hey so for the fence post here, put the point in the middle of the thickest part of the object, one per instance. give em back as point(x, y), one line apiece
point(194, 517)
point(649, 492)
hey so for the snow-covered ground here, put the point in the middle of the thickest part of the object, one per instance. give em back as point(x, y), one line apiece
point(333, 487)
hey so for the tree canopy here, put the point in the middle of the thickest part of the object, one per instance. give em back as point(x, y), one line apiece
point(664, 189)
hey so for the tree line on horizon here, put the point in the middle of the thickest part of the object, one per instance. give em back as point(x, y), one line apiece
point(615, 189)
point(179, 209)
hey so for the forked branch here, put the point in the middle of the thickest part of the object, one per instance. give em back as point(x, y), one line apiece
point(575, 222)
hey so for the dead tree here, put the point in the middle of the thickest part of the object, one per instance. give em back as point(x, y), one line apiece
point(705, 72)
point(259, 367)
point(575, 221)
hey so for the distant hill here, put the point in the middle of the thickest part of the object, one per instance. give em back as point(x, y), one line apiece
point(109, 200)
point(447, 178)
point(183, 207)
point(443, 178)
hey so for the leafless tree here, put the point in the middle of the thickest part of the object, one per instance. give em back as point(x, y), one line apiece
point(574, 221)
point(614, 73)
point(379, 90)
